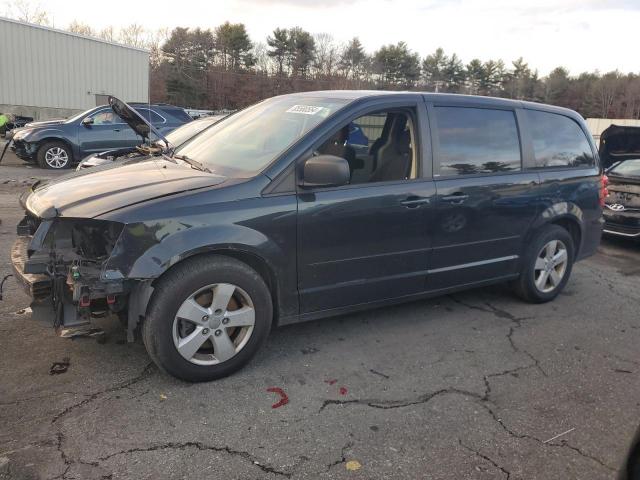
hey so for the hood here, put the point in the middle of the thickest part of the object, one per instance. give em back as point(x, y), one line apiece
point(135, 120)
point(94, 191)
point(45, 123)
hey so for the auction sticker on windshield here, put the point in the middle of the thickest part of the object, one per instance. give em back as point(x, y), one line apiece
point(305, 109)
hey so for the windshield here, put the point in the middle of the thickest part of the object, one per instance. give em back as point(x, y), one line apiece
point(628, 168)
point(185, 132)
point(246, 142)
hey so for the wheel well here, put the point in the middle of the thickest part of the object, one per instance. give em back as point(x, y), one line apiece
point(44, 141)
point(573, 227)
point(255, 262)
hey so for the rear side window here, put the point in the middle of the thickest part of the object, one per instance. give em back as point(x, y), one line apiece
point(476, 140)
point(558, 141)
point(177, 113)
point(150, 116)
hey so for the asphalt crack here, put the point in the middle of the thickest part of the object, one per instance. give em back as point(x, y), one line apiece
point(201, 447)
point(391, 404)
point(560, 444)
point(486, 458)
point(40, 397)
point(516, 324)
point(343, 456)
point(93, 396)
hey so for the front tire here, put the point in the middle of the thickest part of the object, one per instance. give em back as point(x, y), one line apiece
point(547, 265)
point(207, 318)
point(54, 156)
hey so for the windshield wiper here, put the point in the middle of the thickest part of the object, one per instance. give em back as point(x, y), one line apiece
point(194, 163)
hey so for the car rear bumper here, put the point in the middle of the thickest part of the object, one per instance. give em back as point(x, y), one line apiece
point(624, 224)
point(37, 286)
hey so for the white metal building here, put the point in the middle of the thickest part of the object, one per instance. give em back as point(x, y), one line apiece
point(49, 73)
point(599, 125)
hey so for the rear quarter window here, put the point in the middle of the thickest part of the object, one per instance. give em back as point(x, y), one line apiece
point(558, 141)
point(177, 113)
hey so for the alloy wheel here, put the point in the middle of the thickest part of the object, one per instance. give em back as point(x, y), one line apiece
point(56, 157)
point(551, 266)
point(213, 324)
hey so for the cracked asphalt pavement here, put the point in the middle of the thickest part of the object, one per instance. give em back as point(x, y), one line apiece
point(476, 385)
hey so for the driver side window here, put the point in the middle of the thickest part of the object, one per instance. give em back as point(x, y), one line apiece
point(104, 117)
point(379, 147)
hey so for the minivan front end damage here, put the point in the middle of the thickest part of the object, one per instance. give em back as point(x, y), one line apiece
point(63, 260)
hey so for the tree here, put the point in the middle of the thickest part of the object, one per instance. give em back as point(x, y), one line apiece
point(433, 67)
point(155, 40)
point(454, 74)
point(353, 60)
point(302, 50)
point(262, 61)
point(80, 28)
point(556, 85)
point(25, 11)
point(279, 47)
point(521, 82)
point(492, 79)
point(475, 73)
point(108, 34)
point(397, 65)
point(326, 55)
point(607, 88)
point(233, 46)
point(132, 35)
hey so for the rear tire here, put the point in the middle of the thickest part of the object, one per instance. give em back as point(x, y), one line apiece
point(213, 287)
point(54, 156)
point(547, 265)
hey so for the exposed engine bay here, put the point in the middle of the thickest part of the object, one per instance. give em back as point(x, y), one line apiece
point(65, 260)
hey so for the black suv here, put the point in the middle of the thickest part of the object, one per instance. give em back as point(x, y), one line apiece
point(58, 144)
point(272, 217)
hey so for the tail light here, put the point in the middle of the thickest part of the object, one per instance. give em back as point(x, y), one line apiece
point(604, 191)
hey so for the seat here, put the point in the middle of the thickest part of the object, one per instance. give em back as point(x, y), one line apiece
point(337, 146)
point(395, 156)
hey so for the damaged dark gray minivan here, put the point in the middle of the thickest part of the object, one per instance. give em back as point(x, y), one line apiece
point(276, 216)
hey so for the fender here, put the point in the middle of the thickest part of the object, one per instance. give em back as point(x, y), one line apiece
point(560, 211)
point(51, 134)
point(186, 242)
point(145, 251)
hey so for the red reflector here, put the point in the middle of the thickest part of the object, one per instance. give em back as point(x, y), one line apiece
point(85, 301)
point(111, 299)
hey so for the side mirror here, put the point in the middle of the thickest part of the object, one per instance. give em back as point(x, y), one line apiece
point(325, 171)
point(86, 121)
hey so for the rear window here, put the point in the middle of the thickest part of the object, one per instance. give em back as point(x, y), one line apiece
point(558, 141)
point(476, 140)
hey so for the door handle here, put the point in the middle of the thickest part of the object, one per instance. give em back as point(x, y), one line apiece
point(455, 198)
point(413, 202)
point(116, 129)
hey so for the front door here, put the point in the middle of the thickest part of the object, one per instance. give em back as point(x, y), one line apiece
point(485, 202)
point(106, 132)
point(368, 241)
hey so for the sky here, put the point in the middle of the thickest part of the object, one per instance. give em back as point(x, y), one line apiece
point(581, 35)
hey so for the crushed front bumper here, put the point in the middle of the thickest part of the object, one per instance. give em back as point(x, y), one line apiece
point(37, 286)
point(24, 150)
